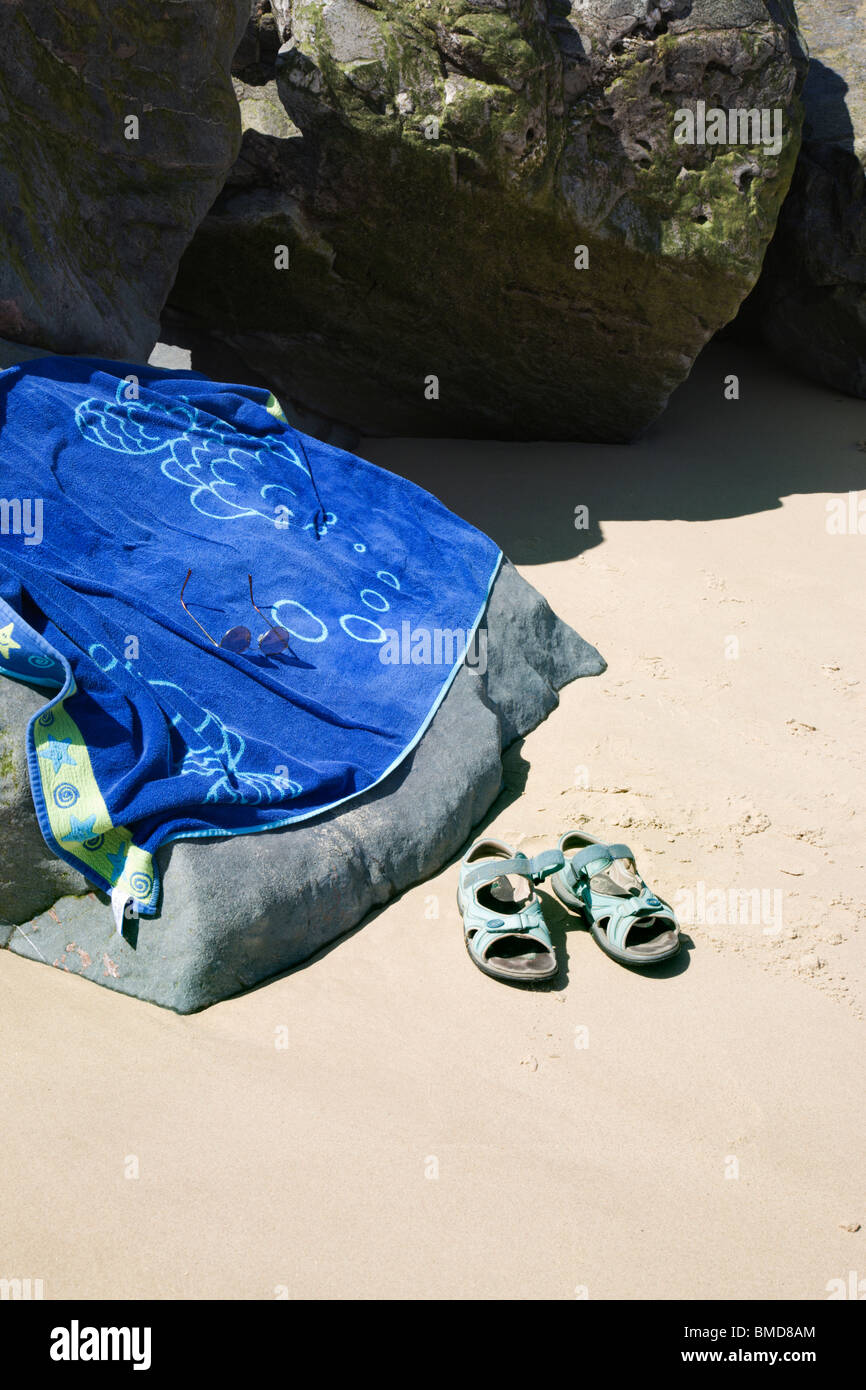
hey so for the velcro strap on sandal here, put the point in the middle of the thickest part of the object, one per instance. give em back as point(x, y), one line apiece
point(550, 861)
point(537, 869)
point(514, 925)
point(620, 852)
point(592, 860)
point(529, 924)
point(626, 915)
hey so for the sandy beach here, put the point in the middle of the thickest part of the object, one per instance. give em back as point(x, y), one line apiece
point(387, 1122)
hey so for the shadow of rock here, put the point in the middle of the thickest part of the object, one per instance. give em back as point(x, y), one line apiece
point(707, 458)
point(810, 303)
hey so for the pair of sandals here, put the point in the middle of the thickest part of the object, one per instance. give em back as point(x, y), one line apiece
point(503, 922)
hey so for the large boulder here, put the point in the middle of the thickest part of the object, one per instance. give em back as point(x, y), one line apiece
point(431, 167)
point(810, 304)
point(118, 126)
point(237, 910)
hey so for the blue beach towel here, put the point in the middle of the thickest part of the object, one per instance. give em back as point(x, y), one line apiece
point(115, 481)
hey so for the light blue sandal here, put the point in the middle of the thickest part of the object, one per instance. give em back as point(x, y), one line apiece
point(503, 924)
point(628, 920)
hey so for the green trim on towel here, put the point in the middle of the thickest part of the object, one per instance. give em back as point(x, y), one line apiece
point(66, 795)
point(274, 408)
point(76, 811)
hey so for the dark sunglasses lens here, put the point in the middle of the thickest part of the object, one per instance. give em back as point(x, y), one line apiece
point(237, 639)
point(276, 639)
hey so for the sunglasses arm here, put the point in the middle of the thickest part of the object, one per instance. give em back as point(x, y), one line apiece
point(190, 615)
point(268, 621)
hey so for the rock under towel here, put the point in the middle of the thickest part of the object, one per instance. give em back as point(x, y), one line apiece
point(117, 480)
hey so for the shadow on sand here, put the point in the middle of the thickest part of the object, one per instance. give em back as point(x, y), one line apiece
point(706, 458)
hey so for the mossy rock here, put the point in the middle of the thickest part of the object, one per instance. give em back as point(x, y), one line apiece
point(96, 214)
point(446, 160)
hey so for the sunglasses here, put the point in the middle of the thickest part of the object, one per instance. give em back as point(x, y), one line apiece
point(237, 639)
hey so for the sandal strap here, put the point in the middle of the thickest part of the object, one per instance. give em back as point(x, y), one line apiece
point(625, 913)
point(536, 870)
point(620, 852)
point(513, 925)
point(592, 860)
point(528, 923)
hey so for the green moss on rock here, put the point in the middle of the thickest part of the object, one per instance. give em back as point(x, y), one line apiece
point(451, 186)
point(94, 223)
